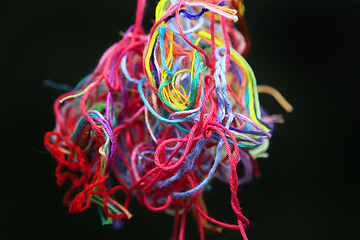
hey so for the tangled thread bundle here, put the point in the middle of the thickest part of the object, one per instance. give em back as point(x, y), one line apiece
point(163, 114)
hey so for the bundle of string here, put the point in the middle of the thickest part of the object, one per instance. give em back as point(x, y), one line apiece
point(162, 115)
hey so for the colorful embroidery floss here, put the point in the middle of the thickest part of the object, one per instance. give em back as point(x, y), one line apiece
point(163, 114)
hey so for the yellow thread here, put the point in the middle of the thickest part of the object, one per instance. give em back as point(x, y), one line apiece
point(101, 151)
point(208, 36)
point(76, 95)
point(147, 58)
point(159, 9)
point(241, 9)
point(277, 95)
point(179, 94)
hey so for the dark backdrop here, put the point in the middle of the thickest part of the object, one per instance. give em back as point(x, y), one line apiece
point(308, 50)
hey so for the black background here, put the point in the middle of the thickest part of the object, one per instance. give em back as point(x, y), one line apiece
point(308, 50)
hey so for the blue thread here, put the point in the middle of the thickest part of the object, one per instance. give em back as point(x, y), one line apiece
point(193, 16)
point(58, 86)
point(125, 71)
point(162, 31)
point(207, 179)
point(189, 163)
point(195, 28)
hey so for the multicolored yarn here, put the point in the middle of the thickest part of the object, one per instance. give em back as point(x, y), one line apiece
point(162, 115)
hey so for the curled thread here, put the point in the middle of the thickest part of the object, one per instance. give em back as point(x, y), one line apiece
point(163, 114)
